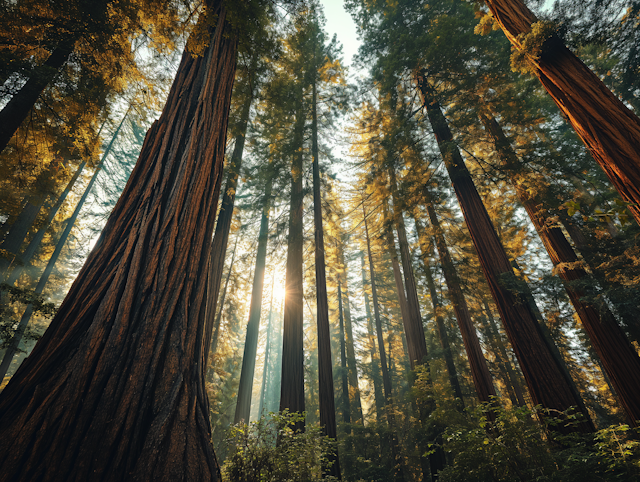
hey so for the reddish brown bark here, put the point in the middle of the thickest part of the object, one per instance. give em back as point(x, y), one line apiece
point(545, 379)
point(292, 385)
point(115, 388)
point(607, 127)
point(619, 359)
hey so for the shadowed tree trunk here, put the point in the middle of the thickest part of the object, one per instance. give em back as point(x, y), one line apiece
point(223, 225)
point(114, 389)
point(619, 359)
point(17, 109)
point(346, 408)
point(607, 127)
point(547, 383)
point(326, 400)
point(398, 466)
point(292, 384)
point(243, 407)
point(375, 364)
point(437, 310)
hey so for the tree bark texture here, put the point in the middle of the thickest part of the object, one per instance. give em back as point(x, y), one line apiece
point(607, 127)
point(547, 383)
point(223, 225)
point(292, 384)
point(243, 406)
point(437, 310)
point(619, 359)
point(114, 390)
point(17, 109)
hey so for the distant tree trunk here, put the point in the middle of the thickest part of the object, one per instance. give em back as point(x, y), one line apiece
point(607, 127)
point(375, 364)
point(223, 225)
point(292, 384)
point(547, 383)
point(619, 359)
point(356, 407)
point(267, 356)
point(398, 469)
point(17, 109)
point(325, 366)
point(482, 379)
point(346, 408)
point(243, 407)
point(215, 338)
point(114, 389)
point(510, 375)
point(437, 311)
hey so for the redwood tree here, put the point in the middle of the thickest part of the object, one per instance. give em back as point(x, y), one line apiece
point(114, 390)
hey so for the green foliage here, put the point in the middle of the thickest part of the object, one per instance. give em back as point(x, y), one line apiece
point(269, 450)
point(517, 447)
point(7, 317)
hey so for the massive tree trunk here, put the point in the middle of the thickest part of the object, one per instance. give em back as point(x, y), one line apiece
point(17, 109)
point(619, 359)
point(292, 384)
point(482, 379)
point(398, 469)
point(114, 390)
point(223, 225)
point(607, 127)
point(243, 407)
point(327, 406)
point(437, 311)
point(547, 383)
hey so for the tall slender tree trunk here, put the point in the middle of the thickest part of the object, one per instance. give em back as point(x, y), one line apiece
point(375, 363)
point(243, 407)
point(17, 109)
point(547, 383)
point(356, 407)
point(325, 366)
point(346, 408)
point(114, 389)
point(398, 466)
point(437, 311)
point(607, 127)
point(292, 384)
point(267, 355)
point(482, 379)
point(619, 359)
point(223, 225)
point(26, 316)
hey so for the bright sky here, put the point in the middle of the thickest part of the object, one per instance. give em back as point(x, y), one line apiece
point(339, 22)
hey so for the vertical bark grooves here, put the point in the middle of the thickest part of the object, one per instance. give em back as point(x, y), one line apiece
point(114, 390)
point(619, 358)
point(243, 407)
point(17, 109)
point(292, 384)
point(482, 379)
point(386, 378)
point(547, 384)
point(437, 311)
point(607, 127)
point(327, 406)
point(223, 225)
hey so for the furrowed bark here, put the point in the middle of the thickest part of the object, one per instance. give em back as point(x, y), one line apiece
point(114, 389)
point(619, 359)
point(545, 379)
point(607, 127)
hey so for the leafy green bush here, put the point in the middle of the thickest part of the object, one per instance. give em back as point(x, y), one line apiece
point(517, 448)
point(269, 450)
